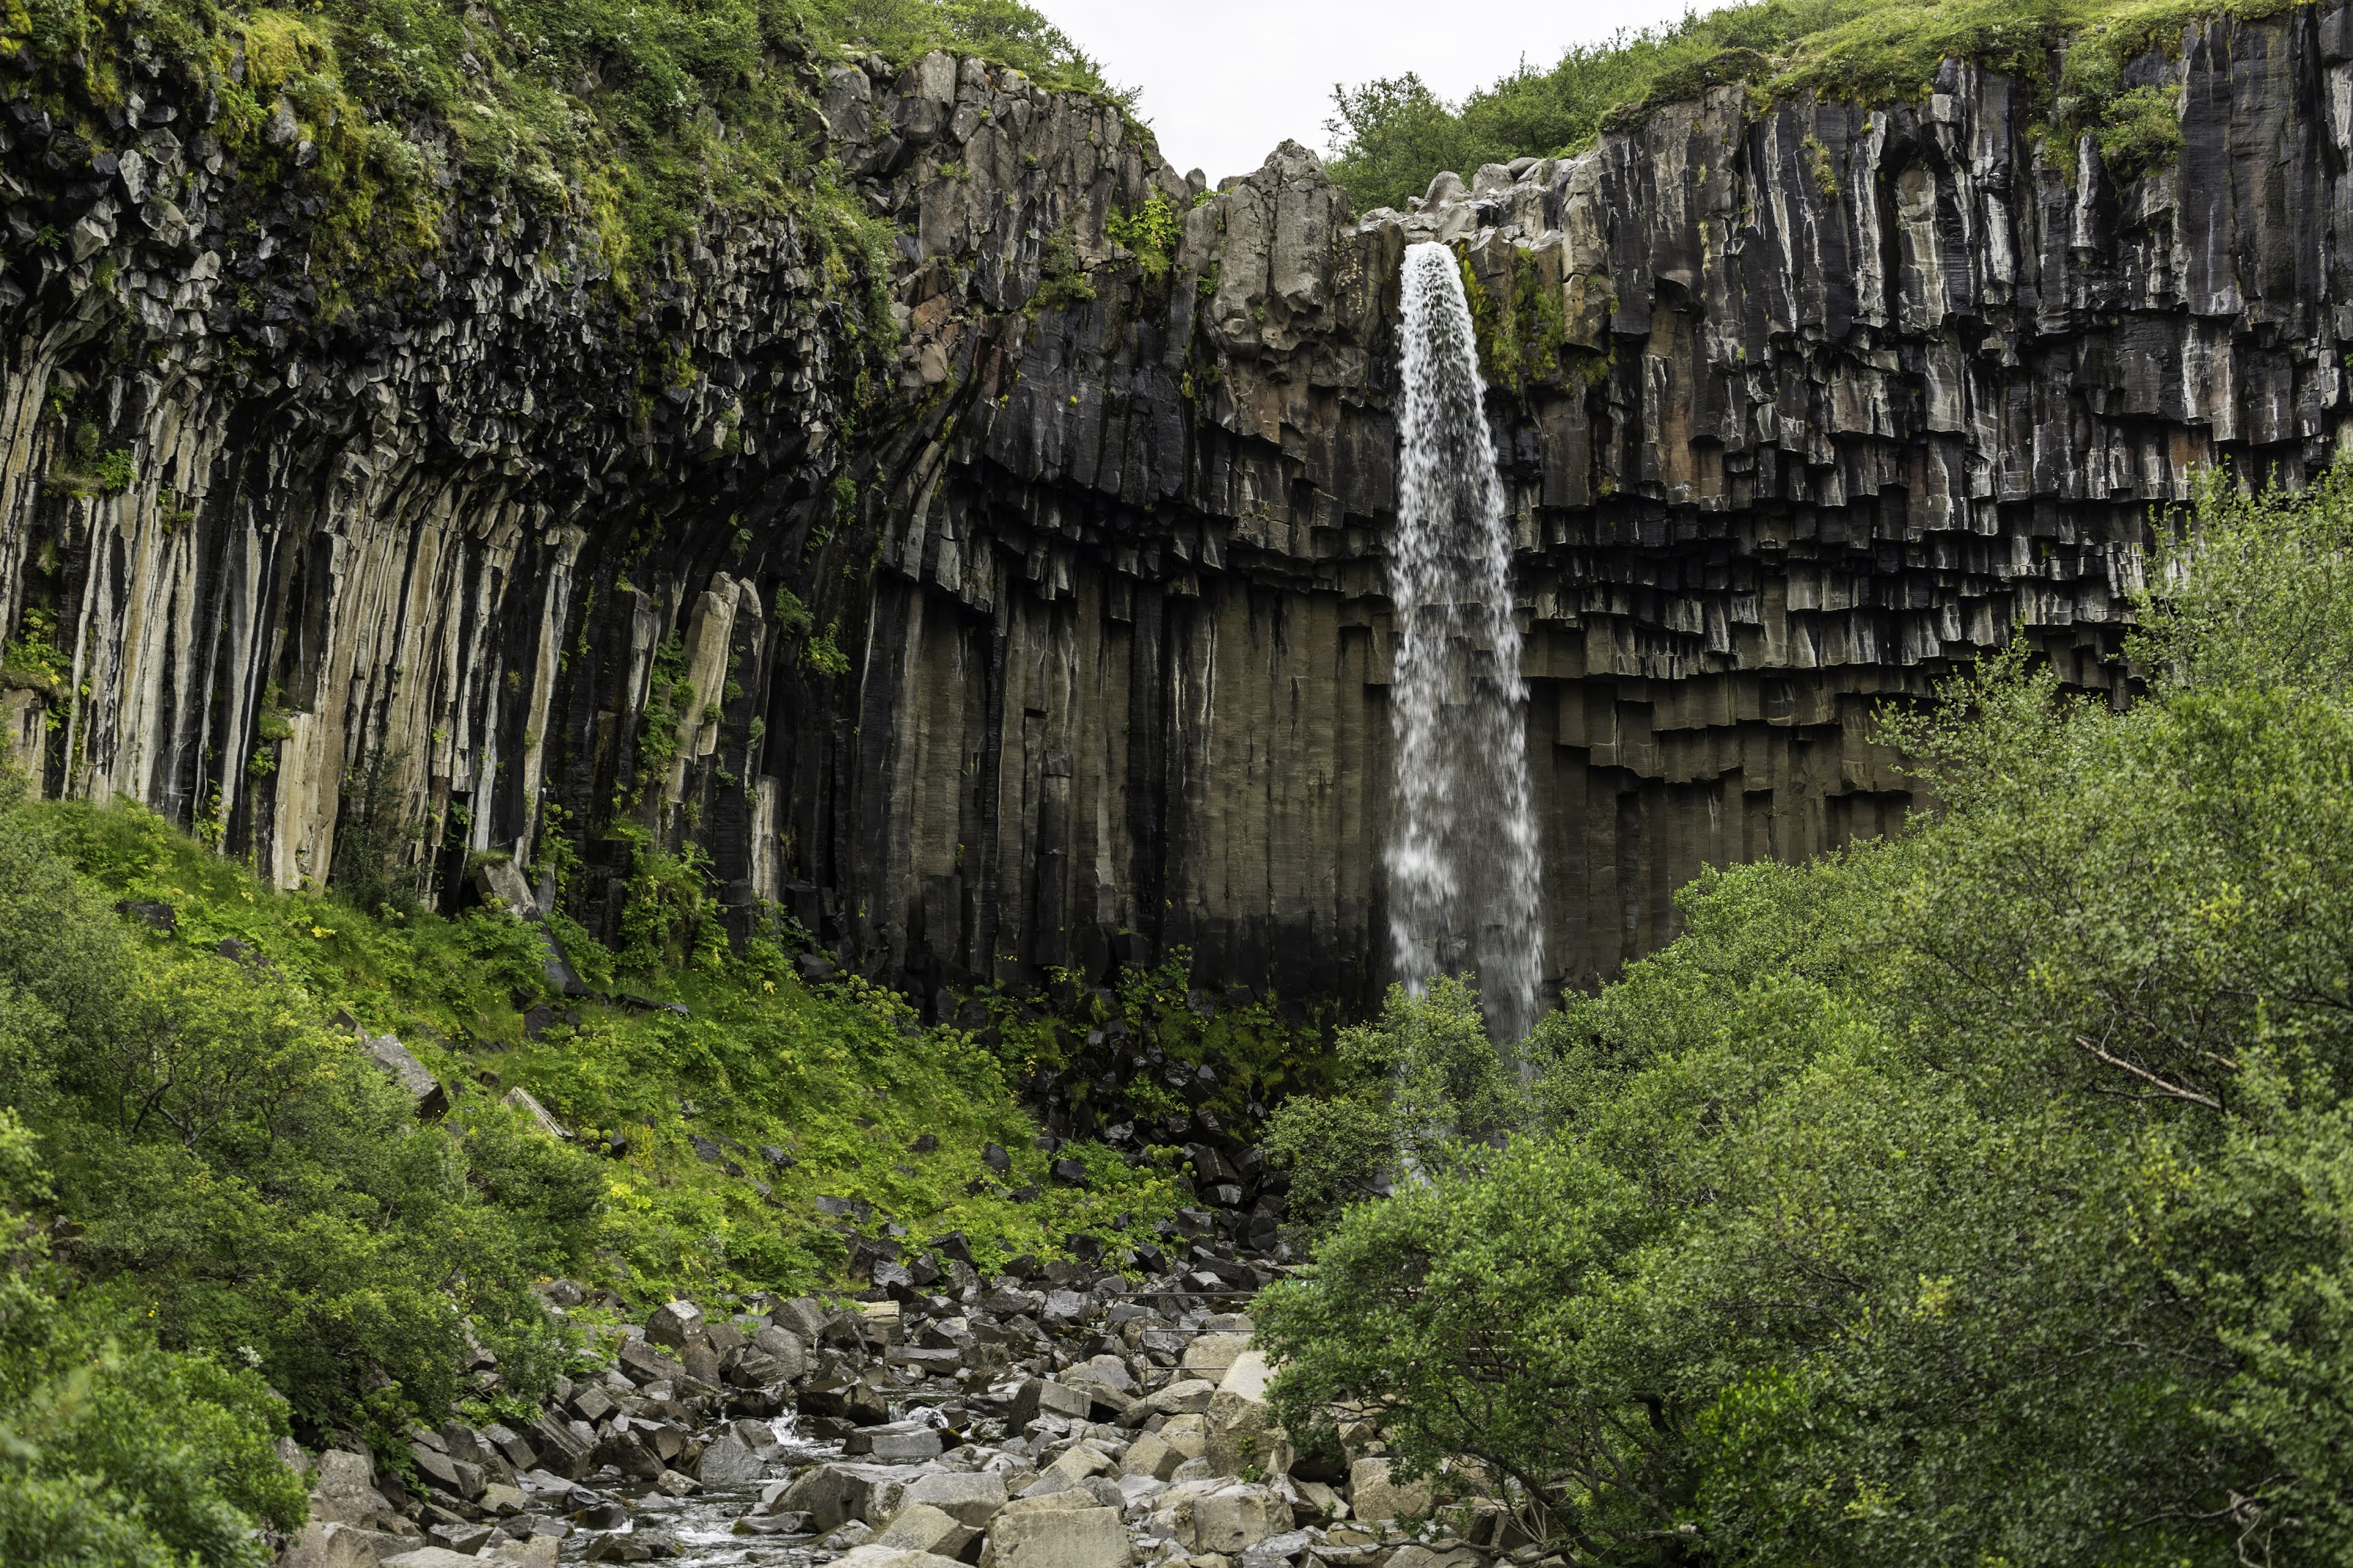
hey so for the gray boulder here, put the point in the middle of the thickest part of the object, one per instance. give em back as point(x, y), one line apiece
point(1040, 1397)
point(642, 1364)
point(1109, 1371)
point(729, 1461)
point(919, 1527)
point(343, 1492)
point(831, 1495)
point(975, 1497)
point(406, 1071)
point(676, 1324)
point(788, 1349)
point(1050, 1537)
point(323, 1544)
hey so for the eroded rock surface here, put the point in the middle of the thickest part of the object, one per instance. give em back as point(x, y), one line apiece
point(1070, 644)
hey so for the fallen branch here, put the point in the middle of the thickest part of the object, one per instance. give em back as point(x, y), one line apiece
point(2169, 1091)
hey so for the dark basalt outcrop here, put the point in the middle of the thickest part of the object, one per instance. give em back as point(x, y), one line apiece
point(1058, 638)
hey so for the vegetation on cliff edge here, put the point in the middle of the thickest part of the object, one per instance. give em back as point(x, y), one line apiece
point(1389, 136)
point(638, 118)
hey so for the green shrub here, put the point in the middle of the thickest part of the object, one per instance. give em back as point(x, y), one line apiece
point(1150, 231)
point(842, 1080)
point(1461, 1315)
point(1062, 282)
point(1422, 1090)
point(112, 1451)
point(1974, 1198)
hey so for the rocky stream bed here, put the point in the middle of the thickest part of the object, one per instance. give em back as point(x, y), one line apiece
point(1056, 1416)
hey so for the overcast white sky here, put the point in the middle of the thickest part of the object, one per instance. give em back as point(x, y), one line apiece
point(1225, 81)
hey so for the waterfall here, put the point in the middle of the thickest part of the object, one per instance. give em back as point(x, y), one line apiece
point(1462, 853)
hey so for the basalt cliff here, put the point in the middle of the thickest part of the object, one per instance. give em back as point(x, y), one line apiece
point(1043, 623)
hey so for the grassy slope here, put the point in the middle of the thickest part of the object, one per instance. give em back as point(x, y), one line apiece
point(1392, 136)
point(839, 1076)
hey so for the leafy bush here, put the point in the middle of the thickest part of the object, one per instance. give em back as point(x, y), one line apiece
point(1390, 136)
point(1422, 1090)
point(1460, 1315)
point(235, 1169)
point(1150, 231)
point(1975, 1197)
point(1149, 1048)
point(114, 1452)
point(1005, 30)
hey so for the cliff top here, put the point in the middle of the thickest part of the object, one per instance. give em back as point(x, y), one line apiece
point(642, 115)
point(1393, 135)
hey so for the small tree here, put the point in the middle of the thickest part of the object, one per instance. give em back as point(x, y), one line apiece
point(1423, 1089)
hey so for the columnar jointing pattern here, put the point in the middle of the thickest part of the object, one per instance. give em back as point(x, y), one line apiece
point(1798, 409)
point(1463, 858)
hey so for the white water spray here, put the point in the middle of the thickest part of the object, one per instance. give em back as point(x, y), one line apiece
point(1462, 857)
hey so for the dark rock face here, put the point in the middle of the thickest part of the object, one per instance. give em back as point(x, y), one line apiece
point(1060, 637)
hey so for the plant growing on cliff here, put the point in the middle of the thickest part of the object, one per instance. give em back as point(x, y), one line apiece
point(375, 835)
point(669, 921)
point(84, 468)
point(1150, 231)
point(2140, 132)
point(635, 119)
point(823, 656)
point(669, 698)
point(793, 618)
point(1062, 282)
point(33, 658)
point(1519, 335)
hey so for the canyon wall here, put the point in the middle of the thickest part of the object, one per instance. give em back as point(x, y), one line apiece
point(1049, 629)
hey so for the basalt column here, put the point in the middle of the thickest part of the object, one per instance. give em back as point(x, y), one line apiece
point(1068, 636)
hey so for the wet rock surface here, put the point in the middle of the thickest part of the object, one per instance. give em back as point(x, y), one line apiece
point(1071, 644)
point(1127, 1428)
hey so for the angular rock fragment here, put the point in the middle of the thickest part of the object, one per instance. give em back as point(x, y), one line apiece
point(406, 1071)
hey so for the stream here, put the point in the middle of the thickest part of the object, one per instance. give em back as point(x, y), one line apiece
point(704, 1524)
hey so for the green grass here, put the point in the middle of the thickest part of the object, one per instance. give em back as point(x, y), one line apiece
point(638, 119)
point(1391, 135)
point(840, 1078)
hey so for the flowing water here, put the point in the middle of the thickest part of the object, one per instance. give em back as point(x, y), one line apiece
point(1462, 855)
point(718, 1527)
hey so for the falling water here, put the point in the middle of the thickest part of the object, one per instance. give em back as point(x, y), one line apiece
point(1463, 860)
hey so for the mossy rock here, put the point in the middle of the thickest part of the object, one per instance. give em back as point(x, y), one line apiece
point(1681, 83)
